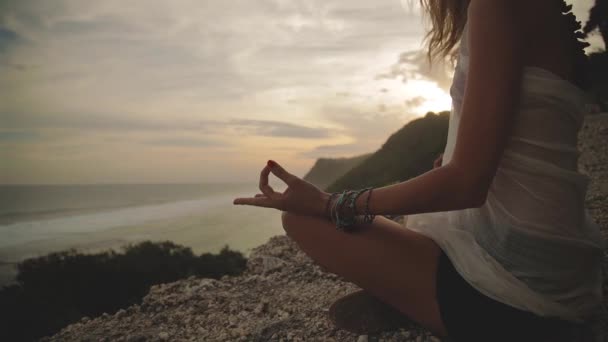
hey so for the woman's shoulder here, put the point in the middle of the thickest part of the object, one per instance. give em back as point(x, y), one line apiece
point(494, 25)
point(522, 15)
point(547, 45)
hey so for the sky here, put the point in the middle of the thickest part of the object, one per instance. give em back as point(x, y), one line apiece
point(193, 91)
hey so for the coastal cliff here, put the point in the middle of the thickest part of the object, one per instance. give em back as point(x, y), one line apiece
point(284, 296)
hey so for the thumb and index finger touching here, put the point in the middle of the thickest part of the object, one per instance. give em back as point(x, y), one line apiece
point(268, 192)
point(278, 171)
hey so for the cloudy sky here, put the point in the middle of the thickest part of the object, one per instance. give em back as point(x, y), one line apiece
point(205, 90)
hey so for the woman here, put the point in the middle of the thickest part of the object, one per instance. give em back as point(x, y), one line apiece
point(497, 238)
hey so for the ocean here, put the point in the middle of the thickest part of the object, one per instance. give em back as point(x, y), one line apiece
point(38, 219)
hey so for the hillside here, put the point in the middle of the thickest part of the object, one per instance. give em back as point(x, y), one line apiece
point(327, 170)
point(407, 153)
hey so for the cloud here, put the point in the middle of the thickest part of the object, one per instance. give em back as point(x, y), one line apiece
point(335, 151)
point(195, 73)
point(367, 130)
point(279, 129)
point(18, 136)
point(414, 65)
point(186, 142)
point(414, 102)
point(365, 125)
point(8, 38)
point(98, 122)
point(16, 66)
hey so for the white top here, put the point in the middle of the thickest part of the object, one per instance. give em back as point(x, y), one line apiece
point(533, 244)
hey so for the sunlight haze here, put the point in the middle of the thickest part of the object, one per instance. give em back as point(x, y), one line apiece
point(207, 90)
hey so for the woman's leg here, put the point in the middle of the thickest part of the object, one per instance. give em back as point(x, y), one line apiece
point(395, 264)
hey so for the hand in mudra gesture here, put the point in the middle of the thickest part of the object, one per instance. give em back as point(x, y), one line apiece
point(300, 197)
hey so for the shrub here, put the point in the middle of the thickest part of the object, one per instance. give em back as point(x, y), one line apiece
point(58, 289)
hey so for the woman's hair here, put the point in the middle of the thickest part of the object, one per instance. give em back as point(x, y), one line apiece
point(448, 18)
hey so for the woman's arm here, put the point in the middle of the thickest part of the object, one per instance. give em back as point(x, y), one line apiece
point(491, 96)
point(440, 189)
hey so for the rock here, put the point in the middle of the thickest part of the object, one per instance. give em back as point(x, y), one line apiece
point(261, 307)
point(265, 264)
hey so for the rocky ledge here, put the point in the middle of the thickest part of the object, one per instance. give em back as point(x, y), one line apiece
point(284, 296)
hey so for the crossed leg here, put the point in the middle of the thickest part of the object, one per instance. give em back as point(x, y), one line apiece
point(395, 264)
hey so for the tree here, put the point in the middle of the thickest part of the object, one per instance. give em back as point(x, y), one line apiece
point(598, 18)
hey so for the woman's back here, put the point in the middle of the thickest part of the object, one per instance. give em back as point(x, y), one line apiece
point(551, 44)
point(532, 244)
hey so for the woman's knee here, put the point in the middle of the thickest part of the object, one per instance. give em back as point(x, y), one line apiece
point(289, 221)
point(293, 224)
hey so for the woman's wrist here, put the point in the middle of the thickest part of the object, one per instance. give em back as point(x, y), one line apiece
point(360, 203)
point(326, 204)
point(348, 208)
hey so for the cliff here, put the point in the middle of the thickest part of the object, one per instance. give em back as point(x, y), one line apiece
point(327, 170)
point(284, 296)
point(407, 153)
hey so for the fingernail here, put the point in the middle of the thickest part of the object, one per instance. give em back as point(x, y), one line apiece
point(272, 163)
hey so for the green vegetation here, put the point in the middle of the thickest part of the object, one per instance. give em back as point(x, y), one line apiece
point(407, 153)
point(598, 71)
point(55, 290)
point(598, 60)
point(598, 19)
point(327, 170)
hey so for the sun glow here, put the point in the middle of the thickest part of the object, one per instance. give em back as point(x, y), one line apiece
point(426, 96)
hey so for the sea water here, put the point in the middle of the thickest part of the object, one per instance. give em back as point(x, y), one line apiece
point(39, 219)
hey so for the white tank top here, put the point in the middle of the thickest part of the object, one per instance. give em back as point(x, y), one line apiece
point(533, 244)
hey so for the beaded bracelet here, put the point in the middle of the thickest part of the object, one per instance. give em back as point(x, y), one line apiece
point(333, 194)
point(338, 208)
point(368, 218)
point(350, 203)
point(353, 201)
point(353, 207)
point(347, 222)
point(332, 210)
point(344, 222)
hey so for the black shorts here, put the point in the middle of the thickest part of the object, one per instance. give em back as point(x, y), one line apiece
point(470, 316)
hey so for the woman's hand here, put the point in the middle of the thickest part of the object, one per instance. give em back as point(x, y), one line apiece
point(300, 197)
point(437, 162)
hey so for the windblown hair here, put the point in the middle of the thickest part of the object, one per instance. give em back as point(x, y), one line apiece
point(448, 18)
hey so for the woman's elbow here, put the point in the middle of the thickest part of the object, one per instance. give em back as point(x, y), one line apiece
point(474, 190)
point(478, 200)
point(478, 191)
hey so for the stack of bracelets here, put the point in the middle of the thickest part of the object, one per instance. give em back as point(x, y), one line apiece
point(345, 221)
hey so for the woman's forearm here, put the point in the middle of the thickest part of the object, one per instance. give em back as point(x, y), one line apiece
point(441, 189)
